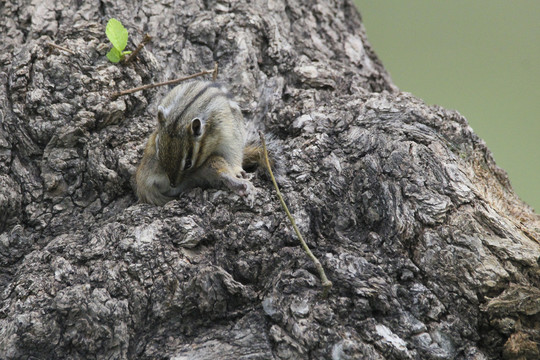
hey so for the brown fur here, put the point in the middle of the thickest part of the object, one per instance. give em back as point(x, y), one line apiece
point(218, 152)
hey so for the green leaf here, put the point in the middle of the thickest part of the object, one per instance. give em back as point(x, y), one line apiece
point(117, 34)
point(114, 55)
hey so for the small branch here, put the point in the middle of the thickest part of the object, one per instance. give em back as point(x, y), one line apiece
point(143, 42)
point(215, 73)
point(61, 48)
point(326, 284)
point(170, 82)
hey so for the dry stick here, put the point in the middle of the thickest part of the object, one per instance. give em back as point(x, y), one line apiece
point(143, 42)
point(214, 74)
point(61, 48)
point(327, 284)
point(170, 82)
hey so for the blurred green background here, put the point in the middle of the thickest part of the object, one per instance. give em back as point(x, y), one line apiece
point(481, 58)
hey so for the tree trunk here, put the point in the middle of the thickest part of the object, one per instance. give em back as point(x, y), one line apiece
point(431, 253)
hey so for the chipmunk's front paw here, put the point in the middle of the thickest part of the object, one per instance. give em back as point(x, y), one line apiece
point(249, 193)
point(243, 188)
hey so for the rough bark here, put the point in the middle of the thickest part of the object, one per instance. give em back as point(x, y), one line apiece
point(431, 254)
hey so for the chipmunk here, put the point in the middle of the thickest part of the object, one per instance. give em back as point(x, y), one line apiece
point(201, 140)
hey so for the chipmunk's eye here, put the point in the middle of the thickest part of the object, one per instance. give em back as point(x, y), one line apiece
point(188, 164)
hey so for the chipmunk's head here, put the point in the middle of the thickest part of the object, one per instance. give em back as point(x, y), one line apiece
point(193, 119)
point(177, 146)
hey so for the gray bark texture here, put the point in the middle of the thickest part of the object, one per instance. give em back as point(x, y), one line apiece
point(431, 253)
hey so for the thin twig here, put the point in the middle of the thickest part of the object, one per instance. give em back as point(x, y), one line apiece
point(143, 42)
point(215, 73)
point(61, 48)
point(170, 82)
point(326, 284)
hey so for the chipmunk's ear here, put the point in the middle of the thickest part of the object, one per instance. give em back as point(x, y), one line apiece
point(197, 127)
point(161, 115)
